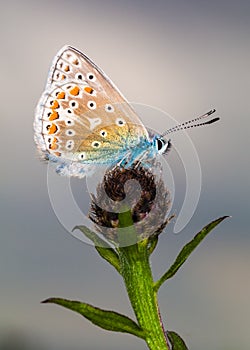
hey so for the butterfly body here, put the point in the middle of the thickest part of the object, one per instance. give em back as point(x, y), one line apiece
point(143, 151)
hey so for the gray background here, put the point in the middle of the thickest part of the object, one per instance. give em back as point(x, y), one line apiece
point(184, 57)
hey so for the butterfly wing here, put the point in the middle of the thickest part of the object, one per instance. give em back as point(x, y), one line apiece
point(82, 117)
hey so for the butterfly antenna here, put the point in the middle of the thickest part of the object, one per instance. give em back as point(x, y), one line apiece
point(192, 123)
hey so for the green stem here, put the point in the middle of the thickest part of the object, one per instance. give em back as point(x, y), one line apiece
point(136, 271)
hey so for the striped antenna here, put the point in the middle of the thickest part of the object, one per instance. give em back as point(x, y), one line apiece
point(192, 123)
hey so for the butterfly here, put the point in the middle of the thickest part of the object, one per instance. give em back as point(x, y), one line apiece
point(83, 120)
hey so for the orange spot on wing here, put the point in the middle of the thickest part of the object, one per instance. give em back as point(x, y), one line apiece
point(54, 115)
point(63, 77)
point(75, 91)
point(55, 104)
point(53, 144)
point(53, 129)
point(66, 69)
point(89, 90)
point(61, 95)
point(58, 154)
point(76, 62)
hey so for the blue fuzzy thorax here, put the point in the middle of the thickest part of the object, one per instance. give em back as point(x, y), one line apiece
point(144, 151)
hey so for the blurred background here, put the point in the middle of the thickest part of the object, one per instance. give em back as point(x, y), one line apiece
point(184, 57)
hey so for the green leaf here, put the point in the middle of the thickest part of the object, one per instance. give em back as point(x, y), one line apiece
point(187, 250)
point(176, 341)
point(102, 247)
point(152, 243)
point(105, 319)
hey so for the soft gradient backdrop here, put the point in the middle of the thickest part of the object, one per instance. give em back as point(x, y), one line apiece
point(184, 57)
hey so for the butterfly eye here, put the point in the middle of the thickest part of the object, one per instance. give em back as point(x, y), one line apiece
point(91, 76)
point(79, 76)
point(91, 105)
point(109, 108)
point(74, 104)
point(103, 133)
point(70, 145)
point(96, 144)
point(160, 144)
point(120, 122)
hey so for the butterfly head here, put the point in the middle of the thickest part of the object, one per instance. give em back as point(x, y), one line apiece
point(161, 145)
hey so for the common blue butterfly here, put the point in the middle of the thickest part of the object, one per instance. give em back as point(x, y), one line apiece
point(83, 120)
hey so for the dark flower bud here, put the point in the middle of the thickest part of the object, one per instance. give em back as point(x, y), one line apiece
point(135, 191)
